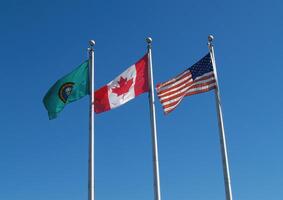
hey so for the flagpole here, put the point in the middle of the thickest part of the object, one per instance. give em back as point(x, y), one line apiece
point(156, 179)
point(224, 154)
point(91, 122)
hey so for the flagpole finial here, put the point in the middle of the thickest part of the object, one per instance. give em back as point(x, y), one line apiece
point(210, 38)
point(149, 40)
point(91, 43)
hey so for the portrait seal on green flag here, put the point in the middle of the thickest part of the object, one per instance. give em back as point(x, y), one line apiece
point(65, 91)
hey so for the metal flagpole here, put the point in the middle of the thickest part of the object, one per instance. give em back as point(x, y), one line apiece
point(153, 124)
point(225, 163)
point(91, 122)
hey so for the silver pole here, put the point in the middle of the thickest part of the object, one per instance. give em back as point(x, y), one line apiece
point(153, 124)
point(91, 122)
point(224, 154)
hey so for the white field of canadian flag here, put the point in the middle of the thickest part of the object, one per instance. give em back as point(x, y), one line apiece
point(126, 86)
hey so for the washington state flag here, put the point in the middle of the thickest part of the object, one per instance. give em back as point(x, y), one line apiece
point(69, 88)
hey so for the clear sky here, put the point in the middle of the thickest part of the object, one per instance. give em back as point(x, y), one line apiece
point(43, 40)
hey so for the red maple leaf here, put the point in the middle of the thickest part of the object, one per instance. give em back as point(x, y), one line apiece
point(124, 86)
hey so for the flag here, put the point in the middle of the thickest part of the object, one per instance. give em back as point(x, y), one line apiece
point(126, 86)
point(196, 79)
point(69, 88)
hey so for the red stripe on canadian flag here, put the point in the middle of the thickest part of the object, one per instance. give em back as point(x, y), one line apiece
point(126, 86)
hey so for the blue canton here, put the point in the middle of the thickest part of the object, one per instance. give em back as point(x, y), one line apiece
point(202, 67)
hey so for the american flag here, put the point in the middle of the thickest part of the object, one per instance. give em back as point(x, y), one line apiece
point(196, 79)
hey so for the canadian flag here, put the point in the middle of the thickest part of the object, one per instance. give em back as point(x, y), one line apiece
point(126, 86)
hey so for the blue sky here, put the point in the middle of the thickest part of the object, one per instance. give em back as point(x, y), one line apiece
point(43, 40)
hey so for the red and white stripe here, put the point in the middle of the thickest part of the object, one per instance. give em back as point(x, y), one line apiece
point(172, 92)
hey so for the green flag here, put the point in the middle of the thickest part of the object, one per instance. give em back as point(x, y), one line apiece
point(71, 87)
